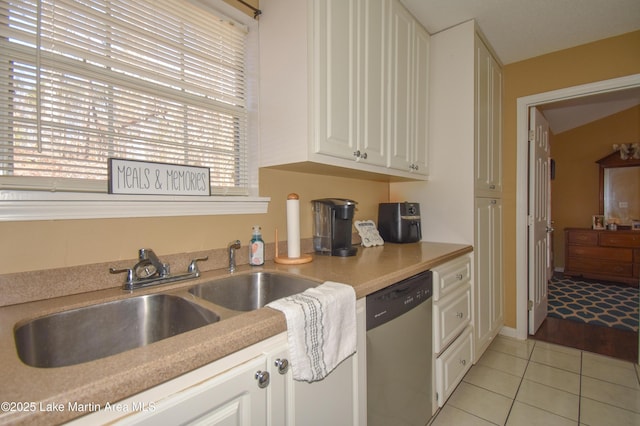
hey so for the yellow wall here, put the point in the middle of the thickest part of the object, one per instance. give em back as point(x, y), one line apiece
point(602, 60)
point(28, 246)
point(575, 194)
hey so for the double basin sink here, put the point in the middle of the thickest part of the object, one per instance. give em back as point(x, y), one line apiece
point(97, 331)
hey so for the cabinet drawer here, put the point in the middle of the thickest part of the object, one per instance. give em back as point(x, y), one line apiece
point(602, 253)
point(615, 239)
point(450, 316)
point(585, 237)
point(450, 276)
point(598, 266)
point(452, 365)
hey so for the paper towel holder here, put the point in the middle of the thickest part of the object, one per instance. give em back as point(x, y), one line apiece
point(285, 260)
point(293, 257)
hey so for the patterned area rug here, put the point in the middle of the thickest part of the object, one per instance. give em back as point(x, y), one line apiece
point(594, 303)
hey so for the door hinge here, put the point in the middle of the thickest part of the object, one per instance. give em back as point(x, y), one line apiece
point(530, 305)
point(532, 135)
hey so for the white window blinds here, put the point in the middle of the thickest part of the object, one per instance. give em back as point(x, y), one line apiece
point(85, 80)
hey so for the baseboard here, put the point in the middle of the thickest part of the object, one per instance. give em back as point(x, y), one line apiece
point(509, 332)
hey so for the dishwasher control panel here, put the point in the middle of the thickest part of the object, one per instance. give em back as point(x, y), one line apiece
point(393, 301)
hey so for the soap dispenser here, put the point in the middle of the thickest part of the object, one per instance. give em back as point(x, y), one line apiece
point(256, 248)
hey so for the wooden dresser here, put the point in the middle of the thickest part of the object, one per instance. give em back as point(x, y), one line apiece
point(604, 255)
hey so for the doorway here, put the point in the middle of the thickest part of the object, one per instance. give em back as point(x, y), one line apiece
point(522, 191)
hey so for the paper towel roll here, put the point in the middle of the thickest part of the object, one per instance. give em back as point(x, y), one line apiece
point(293, 226)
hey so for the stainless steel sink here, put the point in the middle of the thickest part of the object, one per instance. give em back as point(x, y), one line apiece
point(246, 292)
point(97, 331)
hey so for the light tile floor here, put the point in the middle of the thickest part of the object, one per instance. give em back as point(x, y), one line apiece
point(537, 383)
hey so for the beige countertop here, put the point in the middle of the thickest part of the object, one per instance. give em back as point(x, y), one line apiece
point(116, 377)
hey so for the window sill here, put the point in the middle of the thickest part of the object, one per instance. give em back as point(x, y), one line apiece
point(34, 205)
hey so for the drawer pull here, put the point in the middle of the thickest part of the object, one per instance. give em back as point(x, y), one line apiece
point(263, 379)
point(459, 277)
point(283, 365)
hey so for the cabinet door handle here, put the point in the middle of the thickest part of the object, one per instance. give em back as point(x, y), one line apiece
point(263, 379)
point(283, 365)
point(359, 154)
point(492, 187)
point(459, 277)
point(463, 361)
point(460, 315)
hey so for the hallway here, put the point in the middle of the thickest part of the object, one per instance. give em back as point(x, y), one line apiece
point(607, 341)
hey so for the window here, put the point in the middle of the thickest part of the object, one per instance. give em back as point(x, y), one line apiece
point(85, 80)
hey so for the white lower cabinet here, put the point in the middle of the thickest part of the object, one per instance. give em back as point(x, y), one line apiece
point(253, 386)
point(489, 292)
point(241, 402)
point(454, 314)
point(452, 365)
point(341, 397)
point(452, 326)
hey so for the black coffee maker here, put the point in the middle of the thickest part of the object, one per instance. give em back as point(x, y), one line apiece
point(332, 226)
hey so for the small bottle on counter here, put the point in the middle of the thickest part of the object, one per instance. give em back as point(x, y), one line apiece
point(256, 248)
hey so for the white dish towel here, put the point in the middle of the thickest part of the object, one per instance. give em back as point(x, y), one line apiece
point(321, 328)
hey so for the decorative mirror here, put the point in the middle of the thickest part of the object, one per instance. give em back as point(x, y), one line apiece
point(620, 187)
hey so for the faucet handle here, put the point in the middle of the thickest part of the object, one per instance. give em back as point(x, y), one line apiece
point(193, 266)
point(129, 272)
point(165, 271)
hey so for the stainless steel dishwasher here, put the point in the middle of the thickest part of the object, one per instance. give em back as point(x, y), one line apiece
point(399, 353)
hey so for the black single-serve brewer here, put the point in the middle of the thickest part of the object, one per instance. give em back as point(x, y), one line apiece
point(332, 226)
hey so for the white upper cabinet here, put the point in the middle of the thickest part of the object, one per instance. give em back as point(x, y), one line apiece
point(343, 83)
point(420, 126)
point(408, 91)
point(350, 69)
point(488, 165)
point(372, 71)
point(400, 60)
point(337, 64)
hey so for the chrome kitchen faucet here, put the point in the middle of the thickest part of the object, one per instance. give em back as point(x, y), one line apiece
point(150, 264)
point(233, 246)
point(150, 270)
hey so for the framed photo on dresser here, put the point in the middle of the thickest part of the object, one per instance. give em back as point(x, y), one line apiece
point(597, 221)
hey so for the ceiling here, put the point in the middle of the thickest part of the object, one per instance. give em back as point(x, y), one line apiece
point(523, 29)
point(569, 114)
